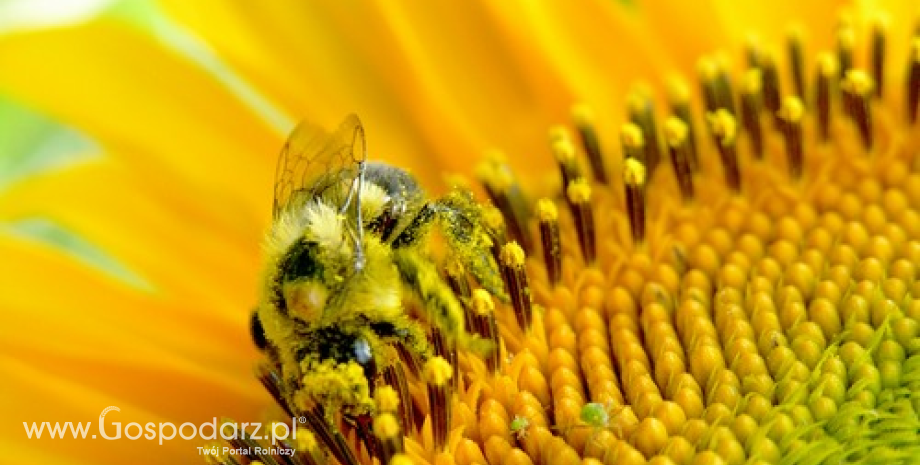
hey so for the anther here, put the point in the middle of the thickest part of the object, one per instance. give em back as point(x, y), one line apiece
point(827, 72)
point(751, 106)
point(484, 310)
point(563, 149)
point(507, 195)
point(633, 141)
point(879, 32)
point(913, 81)
point(770, 82)
point(579, 195)
point(679, 96)
point(634, 181)
point(846, 40)
point(642, 114)
point(437, 374)
point(675, 133)
point(725, 131)
point(796, 42)
point(512, 267)
point(792, 113)
point(389, 437)
point(494, 223)
point(550, 238)
point(857, 90)
point(583, 117)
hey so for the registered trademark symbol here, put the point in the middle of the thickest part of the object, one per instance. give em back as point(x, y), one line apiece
point(302, 419)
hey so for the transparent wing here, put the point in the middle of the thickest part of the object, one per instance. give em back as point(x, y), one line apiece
point(314, 160)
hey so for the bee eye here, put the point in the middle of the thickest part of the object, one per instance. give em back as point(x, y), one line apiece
point(365, 357)
point(362, 351)
point(257, 331)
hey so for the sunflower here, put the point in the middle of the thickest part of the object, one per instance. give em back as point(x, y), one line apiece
point(714, 268)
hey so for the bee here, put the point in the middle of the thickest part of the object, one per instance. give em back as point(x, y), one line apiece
point(350, 244)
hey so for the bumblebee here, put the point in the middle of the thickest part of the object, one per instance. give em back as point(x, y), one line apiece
point(349, 246)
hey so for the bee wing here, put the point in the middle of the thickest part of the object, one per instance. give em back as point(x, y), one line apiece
point(314, 160)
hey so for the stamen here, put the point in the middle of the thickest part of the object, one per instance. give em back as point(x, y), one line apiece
point(770, 80)
point(512, 265)
point(389, 437)
point(494, 223)
point(879, 31)
point(437, 375)
point(913, 81)
point(330, 436)
point(857, 89)
point(579, 195)
point(724, 129)
point(272, 383)
point(724, 83)
point(564, 151)
point(308, 450)
point(486, 326)
point(395, 378)
point(846, 40)
point(676, 133)
point(642, 114)
point(633, 141)
point(457, 279)
point(550, 238)
point(445, 349)
point(796, 40)
point(715, 85)
point(679, 95)
point(753, 51)
point(751, 106)
point(583, 117)
point(507, 195)
point(634, 180)
point(792, 114)
point(827, 71)
point(219, 457)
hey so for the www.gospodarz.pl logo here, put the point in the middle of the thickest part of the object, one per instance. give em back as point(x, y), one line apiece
point(167, 431)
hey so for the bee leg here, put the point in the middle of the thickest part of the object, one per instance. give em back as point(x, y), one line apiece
point(458, 217)
point(442, 307)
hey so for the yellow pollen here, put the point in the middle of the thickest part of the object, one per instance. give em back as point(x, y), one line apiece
point(579, 191)
point(723, 125)
point(633, 172)
point(631, 135)
point(792, 110)
point(675, 131)
point(482, 302)
point(437, 371)
point(857, 82)
point(546, 210)
point(512, 255)
point(386, 426)
point(386, 399)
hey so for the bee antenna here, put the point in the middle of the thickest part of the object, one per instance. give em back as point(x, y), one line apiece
point(359, 261)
